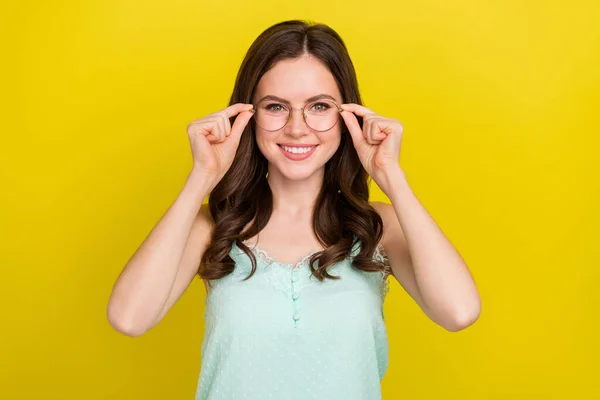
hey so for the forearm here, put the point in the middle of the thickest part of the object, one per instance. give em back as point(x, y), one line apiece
point(146, 281)
point(444, 281)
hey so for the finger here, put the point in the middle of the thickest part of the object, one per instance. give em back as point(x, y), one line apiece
point(201, 127)
point(237, 108)
point(223, 129)
point(374, 128)
point(371, 129)
point(376, 132)
point(357, 109)
point(215, 131)
point(353, 127)
point(210, 128)
point(225, 120)
point(239, 125)
point(368, 129)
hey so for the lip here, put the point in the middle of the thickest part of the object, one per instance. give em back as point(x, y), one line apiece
point(297, 157)
point(296, 145)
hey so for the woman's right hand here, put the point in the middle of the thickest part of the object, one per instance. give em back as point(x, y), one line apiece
point(214, 141)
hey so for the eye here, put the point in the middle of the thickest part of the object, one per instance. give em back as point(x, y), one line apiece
point(275, 107)
point(320, 106)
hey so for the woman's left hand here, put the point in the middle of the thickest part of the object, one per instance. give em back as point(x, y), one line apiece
point(377, 143)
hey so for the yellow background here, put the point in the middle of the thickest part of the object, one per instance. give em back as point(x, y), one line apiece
point(500, 103)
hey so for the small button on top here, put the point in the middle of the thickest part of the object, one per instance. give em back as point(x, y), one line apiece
point(296, 316)
point(295, 296)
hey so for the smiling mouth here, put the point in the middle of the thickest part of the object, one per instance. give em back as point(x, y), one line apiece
point(297, 149)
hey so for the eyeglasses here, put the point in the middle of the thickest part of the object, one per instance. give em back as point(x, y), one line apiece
point(320, 115)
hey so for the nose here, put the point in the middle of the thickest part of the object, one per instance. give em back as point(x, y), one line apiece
point(296, 125)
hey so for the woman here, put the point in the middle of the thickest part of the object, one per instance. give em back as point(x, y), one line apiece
point(294, 257)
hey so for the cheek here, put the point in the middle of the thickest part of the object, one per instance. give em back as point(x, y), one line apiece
point(265, 142)
point(334, 139)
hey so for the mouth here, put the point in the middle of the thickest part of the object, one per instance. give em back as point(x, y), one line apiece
point(298, 149)
point(297, 152)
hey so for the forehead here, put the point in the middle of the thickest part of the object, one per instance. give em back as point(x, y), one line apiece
point(298, 79)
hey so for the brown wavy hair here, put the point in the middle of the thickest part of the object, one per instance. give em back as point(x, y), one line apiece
point(342, 213)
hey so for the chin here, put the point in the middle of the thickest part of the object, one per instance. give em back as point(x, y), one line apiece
point(297, 173)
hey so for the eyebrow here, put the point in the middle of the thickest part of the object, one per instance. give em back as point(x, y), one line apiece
point(310, 99)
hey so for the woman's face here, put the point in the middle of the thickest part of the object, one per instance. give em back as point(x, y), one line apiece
point(296, 81)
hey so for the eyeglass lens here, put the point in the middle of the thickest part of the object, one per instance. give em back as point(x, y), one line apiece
point(320, 115)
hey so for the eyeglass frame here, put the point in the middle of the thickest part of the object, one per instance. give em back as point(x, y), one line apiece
point(339, 110)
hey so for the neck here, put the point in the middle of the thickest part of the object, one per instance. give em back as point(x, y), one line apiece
point(294, 197)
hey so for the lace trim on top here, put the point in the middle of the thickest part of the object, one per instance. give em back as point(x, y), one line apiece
point(379, 255)
point(263, 255)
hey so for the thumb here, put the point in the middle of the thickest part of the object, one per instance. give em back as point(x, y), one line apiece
point(354, 128)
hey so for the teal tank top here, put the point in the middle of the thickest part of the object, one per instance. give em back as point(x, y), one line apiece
point(284, 335)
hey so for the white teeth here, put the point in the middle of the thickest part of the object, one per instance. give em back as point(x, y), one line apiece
point(298, 150)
